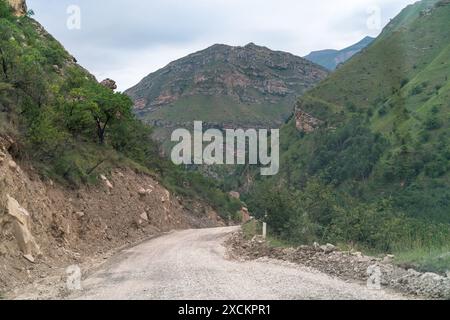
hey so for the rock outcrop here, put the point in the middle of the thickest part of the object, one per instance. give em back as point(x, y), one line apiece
point(19, 7)
point(306, 122)
point(234, 195)
point(109, 83)
point(245, 215)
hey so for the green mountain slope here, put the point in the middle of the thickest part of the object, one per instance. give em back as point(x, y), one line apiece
point(407, 45)
point(401, 86)
point(366, 158)
point(331, 59)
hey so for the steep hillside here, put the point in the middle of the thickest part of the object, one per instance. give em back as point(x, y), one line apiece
point(406, 47)
point(44, 228)
point(368, 149)
point(331, 58)
point(79, 174)
point(225, 86)
point(401, 86)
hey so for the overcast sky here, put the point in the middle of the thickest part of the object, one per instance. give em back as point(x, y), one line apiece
point(127, 39)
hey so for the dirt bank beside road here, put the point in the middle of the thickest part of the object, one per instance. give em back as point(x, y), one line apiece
point(347, 266)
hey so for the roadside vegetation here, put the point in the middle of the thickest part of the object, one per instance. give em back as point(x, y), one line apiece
point(376, 175)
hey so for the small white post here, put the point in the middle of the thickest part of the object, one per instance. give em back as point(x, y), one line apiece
point(264, 231)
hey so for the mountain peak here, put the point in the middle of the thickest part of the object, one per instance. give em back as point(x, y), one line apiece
point(226, 85)
point(365, 41)
point(367, 38)
point(221, 46)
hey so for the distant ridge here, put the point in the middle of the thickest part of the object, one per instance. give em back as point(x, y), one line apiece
point(331, 59)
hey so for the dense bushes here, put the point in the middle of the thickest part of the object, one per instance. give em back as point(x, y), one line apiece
point(380, 227)
point(317, 213)
point(335, 156)
point(298, 216)
point(349, 152)
point(5, 10)
point(350, 186)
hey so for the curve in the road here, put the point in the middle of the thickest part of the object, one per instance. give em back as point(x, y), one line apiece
point(192, 265)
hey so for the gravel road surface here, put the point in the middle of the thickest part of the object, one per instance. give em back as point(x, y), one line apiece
point(193, 264)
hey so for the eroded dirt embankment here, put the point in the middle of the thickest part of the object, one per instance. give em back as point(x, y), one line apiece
point(45, 227)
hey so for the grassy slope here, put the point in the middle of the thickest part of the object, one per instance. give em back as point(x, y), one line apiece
point(396, 87)
point(405, 75)
point(406, 46)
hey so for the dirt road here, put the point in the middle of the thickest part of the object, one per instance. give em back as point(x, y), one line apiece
point(192, 264)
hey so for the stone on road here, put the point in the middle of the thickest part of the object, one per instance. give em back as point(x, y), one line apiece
point(193, 264)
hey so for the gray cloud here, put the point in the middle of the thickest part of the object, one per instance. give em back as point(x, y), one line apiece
point(127, 39)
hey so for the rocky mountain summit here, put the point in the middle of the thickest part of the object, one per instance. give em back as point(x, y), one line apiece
point(250, 85)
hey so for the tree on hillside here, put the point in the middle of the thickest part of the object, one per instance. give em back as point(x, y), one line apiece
point(22, 66)
point(8, 49)
point(103, 105)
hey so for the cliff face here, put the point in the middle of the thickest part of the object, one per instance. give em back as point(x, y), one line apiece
point(305, 122)
point(19, 6)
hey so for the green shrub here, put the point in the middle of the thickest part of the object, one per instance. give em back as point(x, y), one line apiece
point(404, 82)
point(5, 10)
point(383, 110)
point(433, 123)
point(437, 168)
point(350, 152)
point(417, 90)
